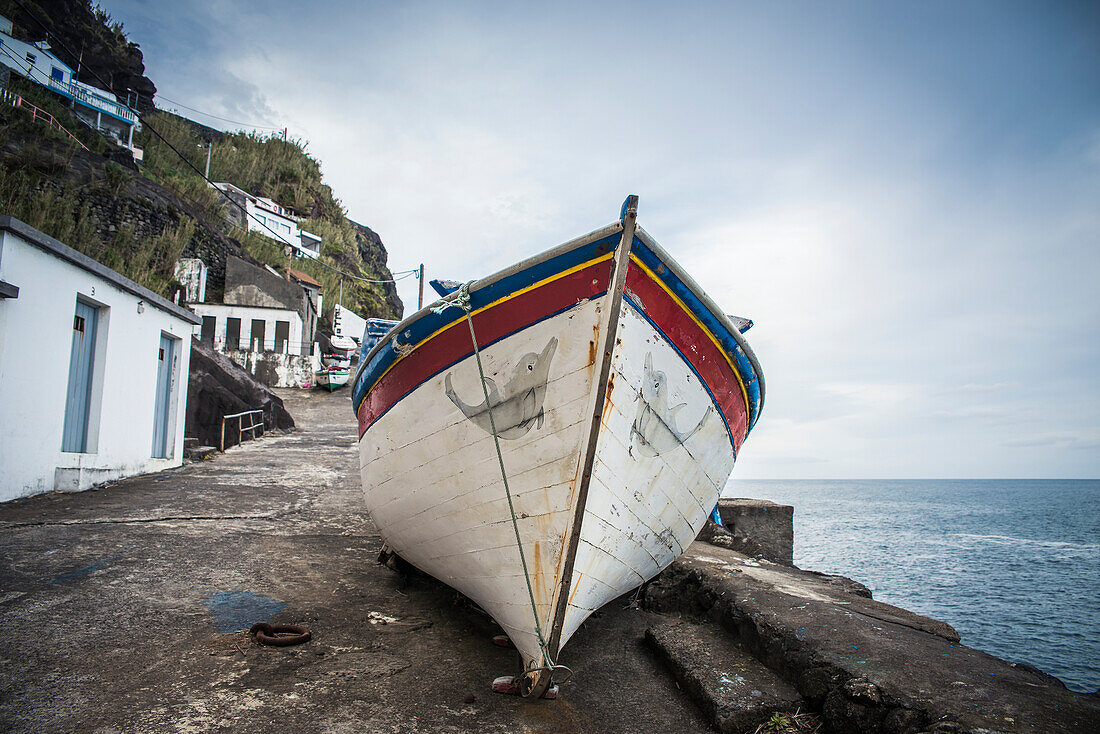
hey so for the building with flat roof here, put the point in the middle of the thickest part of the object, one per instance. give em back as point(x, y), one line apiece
point(93, 369)
point(270, 219)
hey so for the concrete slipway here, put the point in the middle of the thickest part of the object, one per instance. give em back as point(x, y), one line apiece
point(119, 611)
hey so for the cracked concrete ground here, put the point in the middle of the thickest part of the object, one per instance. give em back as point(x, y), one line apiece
point(119, 609)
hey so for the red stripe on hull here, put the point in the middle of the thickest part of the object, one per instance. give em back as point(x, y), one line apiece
point(688, 336)
point(499, 321)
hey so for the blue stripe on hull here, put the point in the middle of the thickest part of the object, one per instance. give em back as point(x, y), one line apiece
point(709, 320)
point(430, 323)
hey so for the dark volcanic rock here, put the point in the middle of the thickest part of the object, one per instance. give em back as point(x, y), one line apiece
point(216, 387)
point(373, 254)
point(733, 689)
point(768, 525)
point(715, 534)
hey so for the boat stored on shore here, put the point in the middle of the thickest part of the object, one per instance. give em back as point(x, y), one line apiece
point(549, 437)
point(332, 378)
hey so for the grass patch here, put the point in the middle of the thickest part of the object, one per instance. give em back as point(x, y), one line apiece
point(280, 170)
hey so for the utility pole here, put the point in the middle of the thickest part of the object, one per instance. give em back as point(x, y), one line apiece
point(420, 300)
point(284, 134)
point(209, 147)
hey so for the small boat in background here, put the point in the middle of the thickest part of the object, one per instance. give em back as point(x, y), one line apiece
point(547, 438)
point(339, 352)
point(332, 378)
point(336, 363)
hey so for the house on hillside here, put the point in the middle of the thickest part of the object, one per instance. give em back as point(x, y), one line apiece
point(260, 311)
point(93, 369)
point(95, 107)
point(265, 322)
point(313, 292)
point(269, 218)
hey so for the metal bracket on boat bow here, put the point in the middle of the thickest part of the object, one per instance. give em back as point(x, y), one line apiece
point(543, 683)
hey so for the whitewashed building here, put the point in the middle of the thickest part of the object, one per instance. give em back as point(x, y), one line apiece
point(100, 109)
point(270, 219)
point(93, 369)
point(348, 323)
point(240, 328)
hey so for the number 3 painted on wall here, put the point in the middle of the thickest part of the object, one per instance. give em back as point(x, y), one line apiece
point(93, 291)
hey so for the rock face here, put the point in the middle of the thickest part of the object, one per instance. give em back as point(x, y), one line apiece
point(373, 253)
point(108, 213)
point(217, 387)
point(734, 690)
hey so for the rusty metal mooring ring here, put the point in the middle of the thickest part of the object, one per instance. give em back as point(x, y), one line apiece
point(265, 634)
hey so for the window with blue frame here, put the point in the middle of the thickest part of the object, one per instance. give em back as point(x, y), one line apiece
point(58, 75)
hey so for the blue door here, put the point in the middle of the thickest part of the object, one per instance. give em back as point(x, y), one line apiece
point(166, 363)
point(78, 397)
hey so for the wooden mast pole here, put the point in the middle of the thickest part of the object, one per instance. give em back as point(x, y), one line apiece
point(420, 300)
point(609, 330)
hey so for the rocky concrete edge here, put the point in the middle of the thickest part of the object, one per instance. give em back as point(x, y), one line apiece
point(866, 666)
point(732, 689)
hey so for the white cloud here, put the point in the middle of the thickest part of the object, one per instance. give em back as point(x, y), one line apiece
point(917, 249)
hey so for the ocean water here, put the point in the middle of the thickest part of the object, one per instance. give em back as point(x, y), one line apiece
point(1013, 565)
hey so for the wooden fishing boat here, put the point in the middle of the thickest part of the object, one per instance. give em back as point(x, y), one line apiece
point(339, 352)
point(332, 378)
point(611, 391)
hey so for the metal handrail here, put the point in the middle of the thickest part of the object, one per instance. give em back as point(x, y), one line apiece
point(95, 101)
point(17, 101)
point(253, 425)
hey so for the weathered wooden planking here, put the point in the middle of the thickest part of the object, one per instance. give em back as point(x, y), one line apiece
point(432, 482)
point(620, 408)
point(643, 511)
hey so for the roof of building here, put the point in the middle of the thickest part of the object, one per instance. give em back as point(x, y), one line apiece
point(301, 277)
point(64, 252)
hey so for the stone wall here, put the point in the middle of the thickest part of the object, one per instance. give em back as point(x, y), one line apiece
point(765, 528)
point(279, 370)
point(250, 285)
point(191, 274)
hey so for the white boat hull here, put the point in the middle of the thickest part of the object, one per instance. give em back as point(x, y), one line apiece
point(332, 379)
point(619, 399)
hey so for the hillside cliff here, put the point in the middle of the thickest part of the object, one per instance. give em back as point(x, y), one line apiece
point(91, 196)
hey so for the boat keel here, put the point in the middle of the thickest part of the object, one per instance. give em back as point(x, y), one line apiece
point(513, 686)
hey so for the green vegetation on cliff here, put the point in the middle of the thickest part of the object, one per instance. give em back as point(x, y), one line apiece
point(280, 170)
point(141, 222)
point(48, 181)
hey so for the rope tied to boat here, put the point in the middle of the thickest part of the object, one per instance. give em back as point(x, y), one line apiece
point(462, 300)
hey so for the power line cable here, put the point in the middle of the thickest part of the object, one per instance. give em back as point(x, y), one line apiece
point(183, 158)
point(215, 117)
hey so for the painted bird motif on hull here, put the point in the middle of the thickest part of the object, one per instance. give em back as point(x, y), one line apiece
point(655, 422)
point(518, 406)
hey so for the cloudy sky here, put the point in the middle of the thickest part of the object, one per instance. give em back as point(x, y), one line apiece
point(905, 197)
